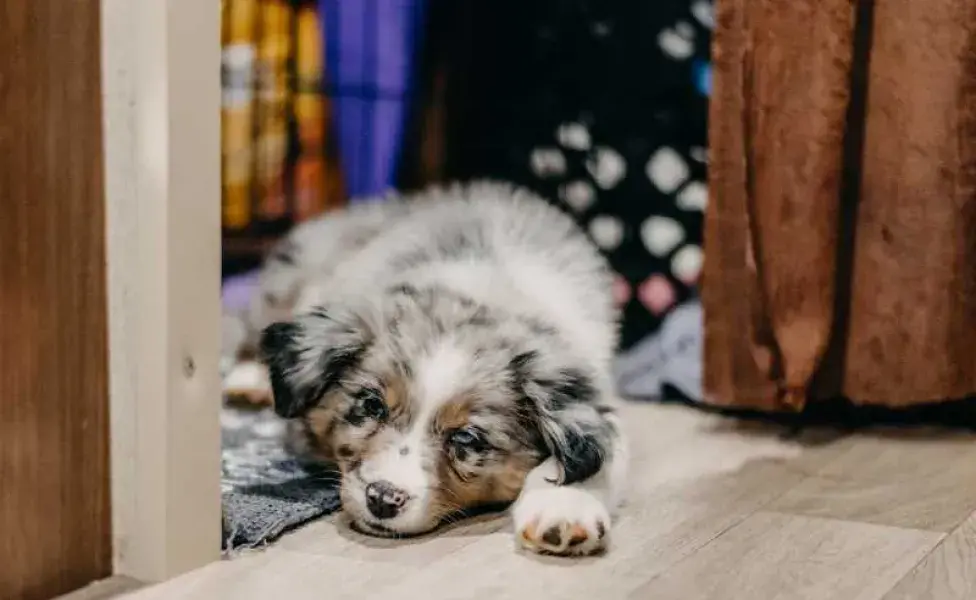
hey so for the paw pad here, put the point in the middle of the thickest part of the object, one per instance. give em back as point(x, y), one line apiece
point(561, 520)
point(564, 538)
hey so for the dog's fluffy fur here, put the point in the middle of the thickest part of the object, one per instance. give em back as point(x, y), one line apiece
point(448, 351)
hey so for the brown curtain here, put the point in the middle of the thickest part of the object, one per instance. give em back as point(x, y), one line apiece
point(841, 232)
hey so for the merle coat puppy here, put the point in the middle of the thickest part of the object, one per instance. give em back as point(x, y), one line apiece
point(449, 351)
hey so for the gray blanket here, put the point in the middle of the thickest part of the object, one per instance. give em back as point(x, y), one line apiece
point(266, 491)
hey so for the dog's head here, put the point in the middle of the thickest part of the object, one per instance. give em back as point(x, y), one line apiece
point(432, 404)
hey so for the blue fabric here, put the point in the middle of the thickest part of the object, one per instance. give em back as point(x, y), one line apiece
point(369, 57)
point(671, 356)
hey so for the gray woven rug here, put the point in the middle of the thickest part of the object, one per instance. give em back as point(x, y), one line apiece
point(265, 490)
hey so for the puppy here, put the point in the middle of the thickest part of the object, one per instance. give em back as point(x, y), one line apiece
point(451, 351)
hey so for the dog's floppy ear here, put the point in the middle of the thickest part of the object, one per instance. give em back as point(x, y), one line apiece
point(307, 356)
point(564, 404)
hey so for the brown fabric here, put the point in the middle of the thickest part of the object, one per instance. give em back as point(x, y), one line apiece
point(813, 288)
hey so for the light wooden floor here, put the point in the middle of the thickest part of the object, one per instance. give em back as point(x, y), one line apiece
point(719, 509)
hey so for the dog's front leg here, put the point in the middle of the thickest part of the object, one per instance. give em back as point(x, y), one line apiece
point(575, 519)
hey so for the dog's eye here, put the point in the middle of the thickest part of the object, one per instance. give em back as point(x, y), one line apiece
point(466, 437)
point(374, 406)
point(369, 405)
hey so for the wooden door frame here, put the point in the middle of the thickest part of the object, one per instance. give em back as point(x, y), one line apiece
point(161, 101)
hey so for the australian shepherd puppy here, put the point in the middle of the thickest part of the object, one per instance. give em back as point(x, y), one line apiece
point(448, 351)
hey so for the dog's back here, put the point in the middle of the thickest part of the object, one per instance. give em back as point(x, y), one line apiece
point(501, 246)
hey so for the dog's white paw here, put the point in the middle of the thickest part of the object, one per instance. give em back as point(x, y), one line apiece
point(565, 521)
point(248, 381)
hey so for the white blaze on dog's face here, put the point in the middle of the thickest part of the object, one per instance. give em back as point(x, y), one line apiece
point(418, 463)
point(430, 405)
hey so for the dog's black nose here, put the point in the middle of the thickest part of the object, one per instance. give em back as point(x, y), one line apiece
point(384, 500)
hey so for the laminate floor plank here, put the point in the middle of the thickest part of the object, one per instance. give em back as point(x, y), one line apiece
point(786, 557)
point(918, 480)
point(948, 573)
